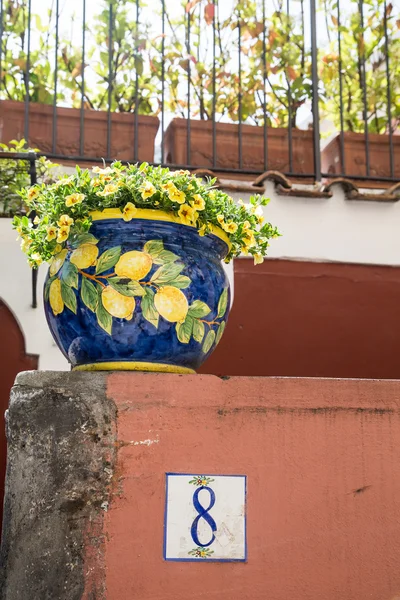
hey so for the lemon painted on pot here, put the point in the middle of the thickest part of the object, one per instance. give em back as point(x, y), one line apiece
point(171, 303)
point(55, 297)
point(134, 265)
point(85, 256)
point(117, 304)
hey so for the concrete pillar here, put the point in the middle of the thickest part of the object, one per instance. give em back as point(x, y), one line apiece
point(86, 486)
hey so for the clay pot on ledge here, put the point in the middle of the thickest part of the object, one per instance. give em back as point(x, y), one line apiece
point(68, 131)
point(355, 163)
point(150, 294)
point(227, 141)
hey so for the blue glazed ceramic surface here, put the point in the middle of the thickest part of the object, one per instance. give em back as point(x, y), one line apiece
point(144, 294)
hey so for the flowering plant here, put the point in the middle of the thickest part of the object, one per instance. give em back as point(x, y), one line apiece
point(63, 209)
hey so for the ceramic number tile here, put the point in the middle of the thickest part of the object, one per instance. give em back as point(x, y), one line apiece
point(205, 517)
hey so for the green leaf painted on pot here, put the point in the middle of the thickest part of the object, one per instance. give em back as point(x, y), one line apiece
point(68, 297)
point(108, 259)
point(181, 282)
point(223, 303)
point(149, 310)
point(198, 330)
point(167, 273)
point(199, 309)
point(158, 253)
point(220, 331)
point(166, 256)
point(208, 342)
point(104, 318)
point(82, 238)
point(126, 287)
point(47, 287)
point(184, 330)
point(89, 294)
point(69, 274)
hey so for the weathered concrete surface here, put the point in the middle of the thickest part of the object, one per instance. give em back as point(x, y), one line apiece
point(322, 458)
point(61, 435)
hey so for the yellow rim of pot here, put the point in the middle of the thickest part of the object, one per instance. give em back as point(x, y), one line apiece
point(134, 366)
point(151, 214)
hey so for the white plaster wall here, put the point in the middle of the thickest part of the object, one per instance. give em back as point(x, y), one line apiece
point(332, 229)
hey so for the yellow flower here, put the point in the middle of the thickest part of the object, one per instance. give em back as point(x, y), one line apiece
point(96, 182)
point(187, 214)
point(198, 202)
point(101, 171)
point(258, 259)
point(240, 202)
point(36, 258)
point(105, 178)
point(176, 195)
point(190, 187)
point(109, 189)
point(51, 233)
point(63, 234)
point(169, 185)
point(25, 244)
point(57, 249)
point(65, 221)
point(19, 229)
point(249, 239)
point(220, 219)
point(36, 220)
point(246, 226)
point(32, 194)
point(63, 181)
point(129, 211)
point(74, 199)
point(203, 230)
point(147, 190)
point(230, 227)
point(258, 212)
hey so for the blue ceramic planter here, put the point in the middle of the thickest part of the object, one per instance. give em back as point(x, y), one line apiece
point(149, 294)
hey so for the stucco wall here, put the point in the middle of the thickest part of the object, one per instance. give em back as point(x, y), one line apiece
point(88, 455)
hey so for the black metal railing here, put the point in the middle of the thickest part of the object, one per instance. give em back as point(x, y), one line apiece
point(254, 84)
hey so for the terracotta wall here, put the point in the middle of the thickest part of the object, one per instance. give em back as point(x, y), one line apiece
point(323, 488)
point(12, 360)
point(309, 319)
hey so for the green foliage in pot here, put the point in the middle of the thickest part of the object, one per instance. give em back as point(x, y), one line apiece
point(362, 44)
point(64, 209)
point(14, 176)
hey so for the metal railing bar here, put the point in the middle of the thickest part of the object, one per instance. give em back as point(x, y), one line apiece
point(364, 86)
point(136, 115)
point(265, 87)
point(162, 79)
point(388, 90)
point(188, 131)
point(82, 109)
point(110, 58)
point(289, 96)
point(315, 95)
point(342, 146)
point(214, 92)
point(27, 74)
point(54, 136)
point(240, 133)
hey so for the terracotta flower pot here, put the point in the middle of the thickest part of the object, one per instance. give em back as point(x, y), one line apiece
point(150, 294)
point(354, 161)
point(68, 131)
point(227, 138)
